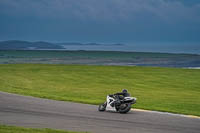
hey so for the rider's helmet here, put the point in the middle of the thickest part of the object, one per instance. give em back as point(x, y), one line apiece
point(124, 91)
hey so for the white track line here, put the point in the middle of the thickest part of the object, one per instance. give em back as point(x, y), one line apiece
point(167, 113)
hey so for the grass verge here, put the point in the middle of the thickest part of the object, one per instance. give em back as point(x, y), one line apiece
point(163, 89)
point(14, 129)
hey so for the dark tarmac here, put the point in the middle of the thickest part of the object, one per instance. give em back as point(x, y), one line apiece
point(42, 113)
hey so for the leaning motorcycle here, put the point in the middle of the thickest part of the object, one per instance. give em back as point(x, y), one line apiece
point(122, 105)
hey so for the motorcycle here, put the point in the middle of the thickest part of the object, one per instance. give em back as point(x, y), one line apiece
point(117, 103)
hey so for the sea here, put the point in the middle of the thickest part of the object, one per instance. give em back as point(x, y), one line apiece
point(193, 49)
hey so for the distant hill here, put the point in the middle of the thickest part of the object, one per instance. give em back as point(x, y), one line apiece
point(26, 45)
point(92, 44)
point(40, 45)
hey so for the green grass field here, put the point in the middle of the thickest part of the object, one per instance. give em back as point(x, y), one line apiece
point(14, 129)
point(164, 89)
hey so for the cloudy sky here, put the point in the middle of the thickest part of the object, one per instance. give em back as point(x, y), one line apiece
point(107, 21)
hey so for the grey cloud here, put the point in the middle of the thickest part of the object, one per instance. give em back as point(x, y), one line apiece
point(102, 10)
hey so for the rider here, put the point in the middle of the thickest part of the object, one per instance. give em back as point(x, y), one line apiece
point(124, 93)
point(119, 96)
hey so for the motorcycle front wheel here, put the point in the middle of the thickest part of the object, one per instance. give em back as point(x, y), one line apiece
point(124, 108)
point(102, 107)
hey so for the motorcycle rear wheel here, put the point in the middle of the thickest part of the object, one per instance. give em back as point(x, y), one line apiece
point(124, 108)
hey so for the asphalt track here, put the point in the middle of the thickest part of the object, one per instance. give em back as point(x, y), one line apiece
point(42, 113)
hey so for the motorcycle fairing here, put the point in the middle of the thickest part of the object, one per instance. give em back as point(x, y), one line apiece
point(110, 104)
